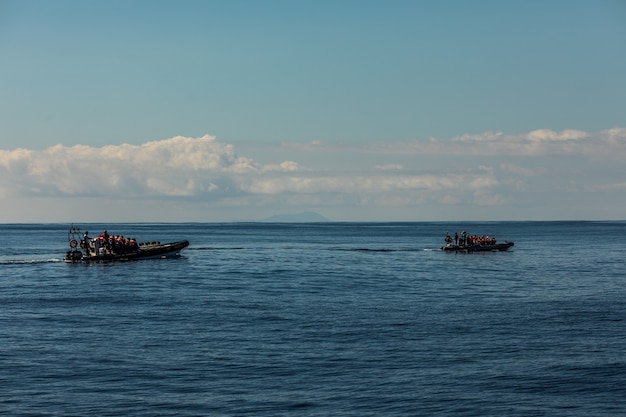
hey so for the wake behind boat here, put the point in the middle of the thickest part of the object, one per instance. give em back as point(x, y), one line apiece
point(474, 243)
point(105, 247)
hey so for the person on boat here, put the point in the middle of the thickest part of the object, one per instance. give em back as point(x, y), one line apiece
point(127, 245)
point(448, 239)
point(105, 236)
point(97, 244)
point(114, 245)
point(456, 239)
point(84, 243)
point(119, 244)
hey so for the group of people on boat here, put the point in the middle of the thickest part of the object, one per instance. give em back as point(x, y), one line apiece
point(105, 243)
point(106, 247)
point(465, 239)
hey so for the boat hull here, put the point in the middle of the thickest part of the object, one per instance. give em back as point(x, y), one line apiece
point(498, 247)
point(167, 250)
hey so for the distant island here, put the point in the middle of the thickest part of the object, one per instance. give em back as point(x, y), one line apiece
point(304, 217)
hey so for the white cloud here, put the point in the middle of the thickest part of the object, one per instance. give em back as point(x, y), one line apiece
point(537, 142)
point(173, 167)
point(478, 138)
point(389, 167)
point(334, 184)
point(285, 166)
point(488, 170)
point(183, 166)
point(546, 135)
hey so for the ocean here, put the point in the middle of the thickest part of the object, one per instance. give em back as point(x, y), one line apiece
point(323, 319)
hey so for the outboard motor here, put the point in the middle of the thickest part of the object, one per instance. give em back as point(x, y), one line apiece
point(73, 256)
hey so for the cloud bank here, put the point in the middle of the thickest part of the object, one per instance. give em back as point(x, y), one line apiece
point(178, 166)
point(543, 142)
point(470, 172)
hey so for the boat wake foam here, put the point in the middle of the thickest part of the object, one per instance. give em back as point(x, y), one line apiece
point(29, 261)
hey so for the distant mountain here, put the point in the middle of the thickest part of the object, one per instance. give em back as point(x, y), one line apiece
point(305, 217)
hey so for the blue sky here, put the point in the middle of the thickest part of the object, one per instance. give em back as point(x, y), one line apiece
point(358, 110)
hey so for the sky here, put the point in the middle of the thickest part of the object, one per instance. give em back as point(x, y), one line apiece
point(218, 111)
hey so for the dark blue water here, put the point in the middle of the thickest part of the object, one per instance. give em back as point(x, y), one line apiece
point(317, 320)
